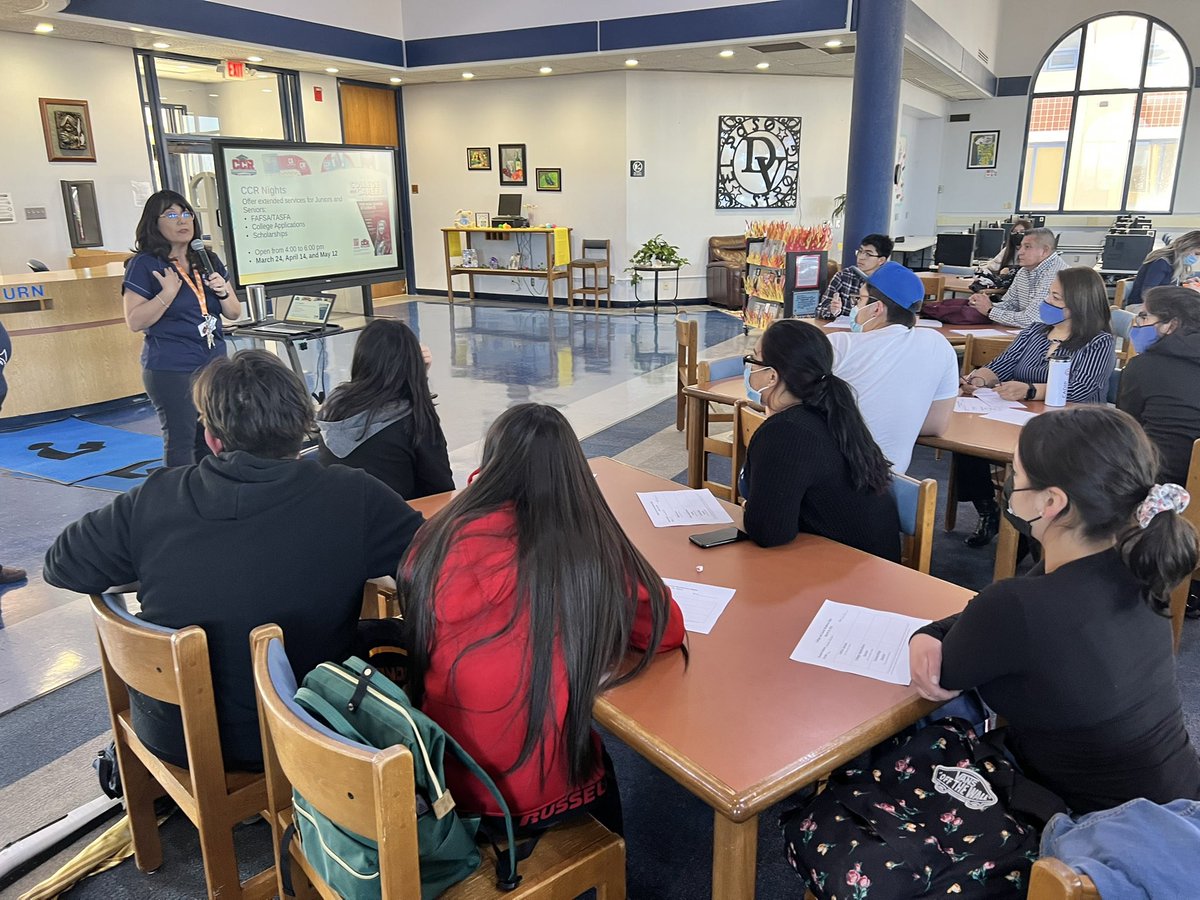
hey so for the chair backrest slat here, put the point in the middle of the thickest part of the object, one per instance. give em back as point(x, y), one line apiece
point(978, 351)
point(686, 340)
point(140, 654)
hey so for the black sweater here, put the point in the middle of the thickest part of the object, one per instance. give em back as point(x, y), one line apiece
point(236, 542)
point(798, 481)
point(409, 467)
point(1083, 671)
point(1161, 389)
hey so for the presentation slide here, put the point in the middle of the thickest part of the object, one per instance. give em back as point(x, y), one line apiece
point(299, 212)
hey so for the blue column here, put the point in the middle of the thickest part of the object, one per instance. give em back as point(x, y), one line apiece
point(874, 121)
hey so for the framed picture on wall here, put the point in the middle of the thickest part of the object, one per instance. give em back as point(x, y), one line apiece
point(83, 215)
point(983, 149)
point(548, 179)
point(479, 159)
point(67, 128)
point(512, 164)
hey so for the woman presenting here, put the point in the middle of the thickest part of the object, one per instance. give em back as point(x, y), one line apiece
point(178, 307)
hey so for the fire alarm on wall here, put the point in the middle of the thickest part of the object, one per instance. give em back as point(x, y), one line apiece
point(318, 94)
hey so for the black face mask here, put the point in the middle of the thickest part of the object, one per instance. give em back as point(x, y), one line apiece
point(1023, 526)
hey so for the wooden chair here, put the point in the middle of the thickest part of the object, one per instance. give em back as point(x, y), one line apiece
point(172, 666)
point(934, 285)
point(1179, 596)
point(371, 793)
point(717, 370)
point(1052, 879)
point(1122, 288)
point(916, 502)
point(593, 264)
point(380, 600)
point(686, 331)
point(1122, 321)
point(747, 417)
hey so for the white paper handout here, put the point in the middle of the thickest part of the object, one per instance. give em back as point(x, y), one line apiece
point(841, 322)
point(928, 323)
point(984, 400)
point(1011, 416)
point(701, 604)
point(983, 332)
point(970, 405)
point(669, 508)
point(859, 640)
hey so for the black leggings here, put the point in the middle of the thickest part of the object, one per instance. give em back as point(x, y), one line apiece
point(171, 394)
point(973, 479)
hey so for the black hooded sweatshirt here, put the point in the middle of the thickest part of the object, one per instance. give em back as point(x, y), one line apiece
point(232, 543)
point(1161, 389)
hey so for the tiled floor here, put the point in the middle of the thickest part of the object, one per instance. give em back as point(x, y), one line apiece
point(599, 368)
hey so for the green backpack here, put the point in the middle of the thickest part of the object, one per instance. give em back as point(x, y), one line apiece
point(362, 705)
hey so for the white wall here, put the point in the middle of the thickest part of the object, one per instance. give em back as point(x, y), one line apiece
point(975, 191)
point(33, 67)
point(974, 24)
point(916, 214)
point(372, 16)
point(323, 120)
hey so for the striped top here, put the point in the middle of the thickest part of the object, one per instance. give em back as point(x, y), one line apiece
point(1028, 359)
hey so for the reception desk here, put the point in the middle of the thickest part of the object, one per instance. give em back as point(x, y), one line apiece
point(71, 346)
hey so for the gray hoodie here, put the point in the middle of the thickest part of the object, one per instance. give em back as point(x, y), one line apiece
point(346, 435)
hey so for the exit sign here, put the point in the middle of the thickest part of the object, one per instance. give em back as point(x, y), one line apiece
point(235, 69)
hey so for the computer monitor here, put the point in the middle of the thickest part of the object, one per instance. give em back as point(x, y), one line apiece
point(954, 249)
point(1126, 252)
point(510, 205)
point(989, 242)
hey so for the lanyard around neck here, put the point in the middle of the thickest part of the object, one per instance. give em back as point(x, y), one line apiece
point(197, 286)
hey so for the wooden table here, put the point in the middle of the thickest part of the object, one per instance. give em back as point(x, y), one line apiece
point(957, 284)
point(551, 273)
point(743, 726)
point(950, 332)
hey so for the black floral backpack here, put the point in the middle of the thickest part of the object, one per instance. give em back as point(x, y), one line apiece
point(931, 812)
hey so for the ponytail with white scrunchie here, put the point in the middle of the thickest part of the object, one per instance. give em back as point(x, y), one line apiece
point(1162, 497)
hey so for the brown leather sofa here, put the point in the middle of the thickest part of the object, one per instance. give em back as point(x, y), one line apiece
point(726, 268)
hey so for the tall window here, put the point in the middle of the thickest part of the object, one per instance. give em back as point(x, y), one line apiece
point(1106, 119)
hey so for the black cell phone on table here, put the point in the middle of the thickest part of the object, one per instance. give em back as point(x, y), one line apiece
point(716, 538)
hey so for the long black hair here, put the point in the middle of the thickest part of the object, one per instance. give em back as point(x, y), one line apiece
point(578, 575)
point(150, 240)
point(387, 368)
point(802, 356)
point(1087, 299)
point(1174, 304)
point(1008, 255)
point(1102, 460)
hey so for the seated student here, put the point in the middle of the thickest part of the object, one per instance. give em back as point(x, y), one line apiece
point(1004, 263)
point(1074, 322)
point(905, 378)
point(1079, 659)
point(1039, 262)
point(1175, 265)
point(813, 466)
point(249, 536)
point(383, 419)
point(841, 295)
point(521, 598)
point(1160, 387)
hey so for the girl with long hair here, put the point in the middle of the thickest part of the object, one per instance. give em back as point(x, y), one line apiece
point(1176, 264)
point(1078, 657)
point(813, 466)
point(521, 599)
point(383, 419)
point(178, 307)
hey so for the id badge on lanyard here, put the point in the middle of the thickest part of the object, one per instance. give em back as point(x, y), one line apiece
point(208, 325)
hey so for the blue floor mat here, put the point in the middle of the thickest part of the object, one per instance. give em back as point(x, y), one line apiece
point(72, 451)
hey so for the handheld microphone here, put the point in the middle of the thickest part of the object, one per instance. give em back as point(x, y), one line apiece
point(205, 262)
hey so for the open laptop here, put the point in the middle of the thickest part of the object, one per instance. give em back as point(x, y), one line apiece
point(305, 315)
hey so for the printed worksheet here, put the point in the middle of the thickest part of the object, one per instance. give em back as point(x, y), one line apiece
point(1012, 416)
point(985, 400)
point(928, 323)
point(859, 640)
point(984, 332)
point(701, 604)
point(667, 509)
point(840, 322)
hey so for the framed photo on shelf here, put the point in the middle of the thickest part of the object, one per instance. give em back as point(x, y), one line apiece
point(83, 215)
point(983, 149)
point(512, 164)
point(483, 220)
point(67, 128)
point(548, 179)
point(479, 159)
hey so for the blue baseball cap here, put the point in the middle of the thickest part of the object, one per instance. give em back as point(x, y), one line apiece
point(898, 283)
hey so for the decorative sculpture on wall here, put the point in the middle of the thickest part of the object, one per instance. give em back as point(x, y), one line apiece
point(758, 162)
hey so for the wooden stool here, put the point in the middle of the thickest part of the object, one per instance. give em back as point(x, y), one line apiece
point(592, 264)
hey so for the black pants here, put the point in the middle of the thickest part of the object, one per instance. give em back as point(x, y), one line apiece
point(171, 394)
point(973, 479)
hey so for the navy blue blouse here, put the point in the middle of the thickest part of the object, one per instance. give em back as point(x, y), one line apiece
point(173, 343)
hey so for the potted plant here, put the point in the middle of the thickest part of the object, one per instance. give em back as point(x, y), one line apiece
point(655, 252)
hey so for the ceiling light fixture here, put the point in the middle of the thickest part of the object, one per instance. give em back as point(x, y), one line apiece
point(214, 95)
point(833, 43)
point(253, 59)
point(135, 28)
point(266, 90)
point(332, 70)
point(725, 54)
point(631, 63)
point(763, 65)
point(545, 70)
point(395, 80)
point(43, 28)
point(468, 75)
point(161, 45)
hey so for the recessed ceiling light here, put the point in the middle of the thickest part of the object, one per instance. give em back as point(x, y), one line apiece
point(725, 54)
point(395, 80)
point(214, 95)
point(161, 45)
point(631, 63)
point(545, 70)
point(763, 65)
point(184, 69)
point(332, 70)
point(43, 28)
point(834, 43)
point(253, 59)
point(135, 28)
point(468, 75)
point(266, 90)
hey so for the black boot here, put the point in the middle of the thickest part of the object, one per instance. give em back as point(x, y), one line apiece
point(989, 524)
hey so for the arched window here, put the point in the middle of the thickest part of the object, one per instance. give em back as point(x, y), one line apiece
point(1106, 118)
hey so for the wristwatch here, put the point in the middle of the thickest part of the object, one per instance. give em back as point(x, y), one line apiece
point(1030, 391)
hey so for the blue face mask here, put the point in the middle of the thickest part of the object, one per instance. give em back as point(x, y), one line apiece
point(1051, 314)
point(1143, 337)
point(1190, 259)
point(751, 393)
point(856, 325)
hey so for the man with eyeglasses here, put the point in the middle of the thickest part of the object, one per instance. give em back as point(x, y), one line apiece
point(841, 296)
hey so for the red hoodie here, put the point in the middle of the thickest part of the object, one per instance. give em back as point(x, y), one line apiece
point(483, 705)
